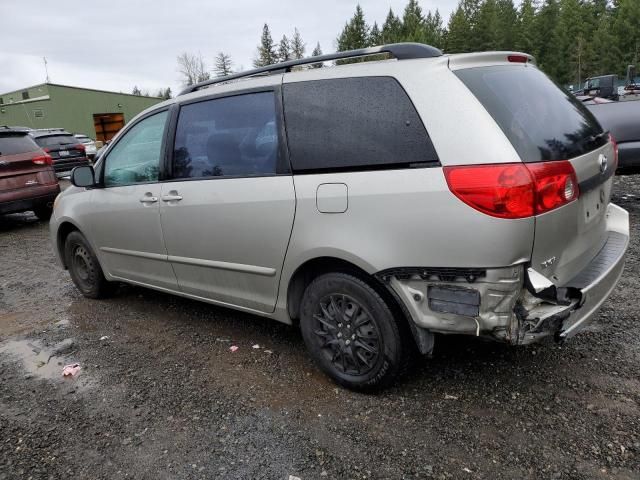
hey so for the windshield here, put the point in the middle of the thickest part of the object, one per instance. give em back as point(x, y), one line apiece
point(542, 121)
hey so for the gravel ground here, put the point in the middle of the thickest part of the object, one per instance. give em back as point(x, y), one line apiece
point(161, 396)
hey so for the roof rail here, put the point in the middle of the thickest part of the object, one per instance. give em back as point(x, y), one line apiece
point(400, 51)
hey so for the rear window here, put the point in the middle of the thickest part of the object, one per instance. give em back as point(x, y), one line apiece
point(55, 140)
point(542, 121)
point(11, 144)
point(354, 124)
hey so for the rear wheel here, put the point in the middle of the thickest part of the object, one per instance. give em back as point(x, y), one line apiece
point(84, 268)
point(351, 332)
point(43, 212)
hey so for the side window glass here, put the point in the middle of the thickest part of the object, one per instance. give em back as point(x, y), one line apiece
point(136, 156)
point(231, 136)
point(353, 123)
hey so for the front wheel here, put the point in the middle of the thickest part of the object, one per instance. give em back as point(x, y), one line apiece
point(351, 332)
point(84, 268)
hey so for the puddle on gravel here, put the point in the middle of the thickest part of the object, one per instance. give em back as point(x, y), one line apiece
point(40, 362)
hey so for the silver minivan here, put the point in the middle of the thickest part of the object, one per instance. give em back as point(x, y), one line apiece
point(374, 203)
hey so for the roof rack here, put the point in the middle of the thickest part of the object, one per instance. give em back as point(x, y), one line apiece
point(400, 51)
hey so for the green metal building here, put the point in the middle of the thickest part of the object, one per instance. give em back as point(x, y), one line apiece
point(96, 113)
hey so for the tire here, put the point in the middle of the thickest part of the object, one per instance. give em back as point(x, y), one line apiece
point(362, 347)
point(84, 268)
point(43, 212)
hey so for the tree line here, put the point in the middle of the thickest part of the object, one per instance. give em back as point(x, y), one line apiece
point(571, 39)
point(194, 69)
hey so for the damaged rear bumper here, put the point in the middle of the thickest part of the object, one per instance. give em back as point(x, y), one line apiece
point(515, 304)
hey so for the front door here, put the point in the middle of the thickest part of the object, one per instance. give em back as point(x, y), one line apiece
point(228, 212)
point(125, 224)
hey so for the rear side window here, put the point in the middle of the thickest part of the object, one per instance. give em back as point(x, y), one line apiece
point(55, 140)
point(354, 124)
point(227, 137)
point(542, 121)
point(11, 144)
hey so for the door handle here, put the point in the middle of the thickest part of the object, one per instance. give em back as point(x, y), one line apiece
point(172, 197)
point(148, 199)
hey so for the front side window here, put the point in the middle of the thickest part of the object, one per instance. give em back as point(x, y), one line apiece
point(136, 156)
point(227, 137)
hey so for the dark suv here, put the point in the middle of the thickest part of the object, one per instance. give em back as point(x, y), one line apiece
point(27, 179)
point(66, 150)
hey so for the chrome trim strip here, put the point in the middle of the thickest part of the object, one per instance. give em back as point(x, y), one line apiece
point(134, 253)
point(236, 267)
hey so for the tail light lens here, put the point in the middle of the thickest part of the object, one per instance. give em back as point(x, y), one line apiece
point(615, 151)
point(80, 147)
point(514, 190)
point(42, 160)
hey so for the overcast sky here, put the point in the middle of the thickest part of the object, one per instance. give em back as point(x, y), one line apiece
point(116, 44)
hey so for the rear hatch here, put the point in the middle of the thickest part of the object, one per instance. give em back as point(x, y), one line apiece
point(23, 165)
point(546, 124)
point(66, 150)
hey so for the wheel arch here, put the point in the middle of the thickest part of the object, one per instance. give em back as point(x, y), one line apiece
point(64, 229)
point(312, 268)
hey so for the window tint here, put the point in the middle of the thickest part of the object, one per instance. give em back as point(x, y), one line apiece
point(12, 144)
point(231, 136)
point(136, 156)
point(354, 123)
point(542, 121)
point(56, 140)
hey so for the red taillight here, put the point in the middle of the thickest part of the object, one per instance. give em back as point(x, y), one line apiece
point(615, 151)
point(514, 190)
point(518, 58)
point(80, 147)
point(42, 160)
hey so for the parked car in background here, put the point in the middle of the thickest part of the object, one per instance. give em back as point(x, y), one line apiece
point(89, 145)
point(66, 150)
point(374, 203)
point(622, 119)
point(27, 179)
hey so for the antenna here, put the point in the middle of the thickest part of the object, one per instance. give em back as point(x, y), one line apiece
point(45, 68)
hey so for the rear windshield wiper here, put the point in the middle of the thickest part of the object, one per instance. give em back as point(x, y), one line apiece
point(598, 136)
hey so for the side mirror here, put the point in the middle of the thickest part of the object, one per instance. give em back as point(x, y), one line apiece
point(83, 176)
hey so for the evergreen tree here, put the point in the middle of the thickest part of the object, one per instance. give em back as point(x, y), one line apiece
point(266, 50)
point(167, 94)
point(391, 29)
point(626, 29)
point(525, 35)
point(284, 50)
point(355, 33)
point(375, 36)
point(569, 42)
point(434, 31)
point(297, 45)
point(545, 40)
point(458, 38)
point(317, 51)
point(222, 65)
point(605, 50)
point(136, 91)
point(413, 28)
point(486, 32)
point(507, 21)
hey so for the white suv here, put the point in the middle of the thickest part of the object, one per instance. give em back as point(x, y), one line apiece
point(375, 203)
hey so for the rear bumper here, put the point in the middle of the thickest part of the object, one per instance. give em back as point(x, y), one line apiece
point(628, 156)
point(503, 304)
point(597, 281)
point(64, 166)
point(28, 203)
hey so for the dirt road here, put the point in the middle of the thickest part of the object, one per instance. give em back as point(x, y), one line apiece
point(160, 395)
